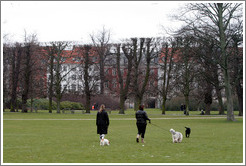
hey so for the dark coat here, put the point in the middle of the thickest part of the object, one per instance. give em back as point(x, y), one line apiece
point(102, 122)
point(141, 117)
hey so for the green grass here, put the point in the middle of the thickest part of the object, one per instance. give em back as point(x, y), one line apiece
point(72, 138)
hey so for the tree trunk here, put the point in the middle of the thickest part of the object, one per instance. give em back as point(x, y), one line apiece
point(27, 75)
point(208, 98)
point(122, 104)
point(163, 108)
point(24, 103)
point(31, 104)
point(50, 104)
point(207, 109)
point(123, 88)
point(140, 91)
point(88, 103)
point(17, 53)
point(137, 102)
point(87, 93)
point(230, 113)
point(228, 90)
point(58, 105)
point(239, 90)
point(58, 98)
point(86, 77)
point(187, 104)
point(102, 74)
point(51, 82)
point(237, 76)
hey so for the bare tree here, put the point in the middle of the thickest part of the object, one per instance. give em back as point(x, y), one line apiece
point(219, 17)
point(102, 47)
point(16, 53)
point(6, 70)
point(168, 50)
point(29, 47)
point(185, 71)
point(49, 52)
point(90, 75)
point(124, 85)
point(60, 55)
point(143, 53)
point(208, 57)
point(236, 61)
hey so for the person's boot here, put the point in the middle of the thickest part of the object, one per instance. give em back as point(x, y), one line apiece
point(137, 139)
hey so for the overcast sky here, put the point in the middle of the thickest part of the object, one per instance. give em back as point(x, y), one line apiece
point(74, 21)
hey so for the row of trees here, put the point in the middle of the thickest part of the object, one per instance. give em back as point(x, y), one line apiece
point(219, 26)
point(201, 59)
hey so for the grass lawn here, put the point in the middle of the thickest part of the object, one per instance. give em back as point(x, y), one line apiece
point(71, 138)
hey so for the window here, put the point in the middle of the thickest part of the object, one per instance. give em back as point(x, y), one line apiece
point(106, 84)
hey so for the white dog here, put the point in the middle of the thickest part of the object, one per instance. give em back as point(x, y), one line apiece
point(177, 136)
point(104, 142)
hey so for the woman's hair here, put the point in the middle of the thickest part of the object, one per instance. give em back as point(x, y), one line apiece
point(102, 107)
point(141, 107)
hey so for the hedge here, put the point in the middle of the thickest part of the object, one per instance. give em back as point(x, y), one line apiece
point(42, 104)
point(71, 105)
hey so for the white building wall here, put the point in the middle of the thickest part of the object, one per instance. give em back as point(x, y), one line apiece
point(73, 77)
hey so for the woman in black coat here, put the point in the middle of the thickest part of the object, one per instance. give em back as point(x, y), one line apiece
point(102, 121)
point(141, 117)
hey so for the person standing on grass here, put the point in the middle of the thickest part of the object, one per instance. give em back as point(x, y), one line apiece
point(141, 117)
point(102, 122)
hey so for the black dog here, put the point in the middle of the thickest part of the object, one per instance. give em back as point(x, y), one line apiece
point(187, 132)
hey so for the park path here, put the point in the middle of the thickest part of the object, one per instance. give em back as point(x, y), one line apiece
point(175, 118)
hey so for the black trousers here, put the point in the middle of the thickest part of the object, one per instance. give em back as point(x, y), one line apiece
point(141, 129)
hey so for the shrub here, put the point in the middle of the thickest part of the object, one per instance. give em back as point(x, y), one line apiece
point(18, 103)
point(71, 105)
point(77, 106)
point(41, 104)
